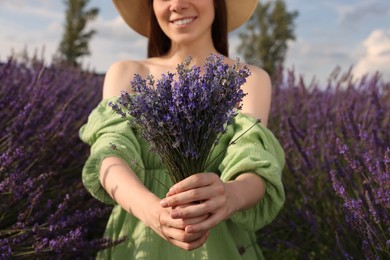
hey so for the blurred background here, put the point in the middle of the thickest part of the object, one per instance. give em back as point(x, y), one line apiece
point(328, 34)
point(334, 129)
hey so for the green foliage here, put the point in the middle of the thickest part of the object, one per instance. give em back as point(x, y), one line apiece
point(74, 44)
point(264, 43)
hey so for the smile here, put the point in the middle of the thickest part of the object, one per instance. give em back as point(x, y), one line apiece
point(183, 21)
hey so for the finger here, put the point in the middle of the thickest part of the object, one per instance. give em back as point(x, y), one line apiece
point(206, 225)
point(195, 211)
point(181, 223)
point(192, 182)
point(181, 235)
point(187, 197)
point(190, 245)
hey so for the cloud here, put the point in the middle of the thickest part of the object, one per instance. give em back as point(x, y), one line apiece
point(114, 41)
point(40, 8)
point(352, 14)
point(32, 25)
point(313, 59)
point(112, 28)
point(376, 54)
point(45, 39)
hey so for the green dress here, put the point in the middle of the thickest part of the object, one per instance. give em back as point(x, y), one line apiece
point(257, 151)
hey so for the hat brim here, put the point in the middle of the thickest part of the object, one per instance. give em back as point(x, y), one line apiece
point(136, 13)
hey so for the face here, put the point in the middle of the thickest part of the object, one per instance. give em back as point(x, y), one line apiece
point(185, 20)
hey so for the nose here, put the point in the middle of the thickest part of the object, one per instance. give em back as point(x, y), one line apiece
point(178, 5)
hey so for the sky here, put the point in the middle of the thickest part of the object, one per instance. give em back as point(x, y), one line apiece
point(330, 34)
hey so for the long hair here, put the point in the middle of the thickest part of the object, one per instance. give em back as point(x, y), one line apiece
point(159, 43)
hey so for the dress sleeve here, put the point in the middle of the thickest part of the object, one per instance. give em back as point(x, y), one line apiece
point(256, 151)
point(108, 134)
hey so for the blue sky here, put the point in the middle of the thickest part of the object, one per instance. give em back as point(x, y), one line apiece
point(330, 33)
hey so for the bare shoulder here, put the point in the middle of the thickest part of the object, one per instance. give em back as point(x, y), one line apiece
point(259, 82)
point(258, 87)
point(119, 76)
point(258, 74)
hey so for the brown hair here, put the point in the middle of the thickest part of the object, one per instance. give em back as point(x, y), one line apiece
point(159, 43)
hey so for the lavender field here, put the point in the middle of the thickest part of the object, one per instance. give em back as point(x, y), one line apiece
point(337, 176)
point(44, 209)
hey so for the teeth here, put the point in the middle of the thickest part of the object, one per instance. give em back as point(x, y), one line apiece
point(183, 22)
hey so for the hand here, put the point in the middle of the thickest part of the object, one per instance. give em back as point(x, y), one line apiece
point(173, 230)
point(205, 194)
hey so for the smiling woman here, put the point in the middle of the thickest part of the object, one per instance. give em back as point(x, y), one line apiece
point(184, 26)
point(160, 41)
point(321, 28)
point(240, 192)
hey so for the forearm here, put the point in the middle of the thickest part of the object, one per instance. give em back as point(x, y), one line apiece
point(129, 192)
point(219, 200)
point(123, 185)
point(245, 191)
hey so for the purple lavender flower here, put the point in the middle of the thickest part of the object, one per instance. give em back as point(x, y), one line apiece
point(41, 158)
point(336, 139)
point(183, 118)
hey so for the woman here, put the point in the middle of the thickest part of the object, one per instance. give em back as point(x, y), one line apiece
point(244, 190)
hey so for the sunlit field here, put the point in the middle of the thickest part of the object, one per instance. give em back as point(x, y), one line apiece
point(337, 175)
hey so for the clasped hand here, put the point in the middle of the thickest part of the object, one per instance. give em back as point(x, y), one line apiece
point(192, 207)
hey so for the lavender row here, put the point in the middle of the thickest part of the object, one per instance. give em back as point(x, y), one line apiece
point(337, 178)
point(44, 209)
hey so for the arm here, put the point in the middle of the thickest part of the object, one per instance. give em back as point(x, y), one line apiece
point(248, 202)
point(126, 189)
point(122, 184)
point(219, 199)
point(257, 102)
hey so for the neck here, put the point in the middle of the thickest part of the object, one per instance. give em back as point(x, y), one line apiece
point(198, 56)
point(198, 50)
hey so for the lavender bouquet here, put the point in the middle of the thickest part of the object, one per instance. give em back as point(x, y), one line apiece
point(183, 117)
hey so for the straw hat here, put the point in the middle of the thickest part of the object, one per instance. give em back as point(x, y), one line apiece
point(135, 13)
